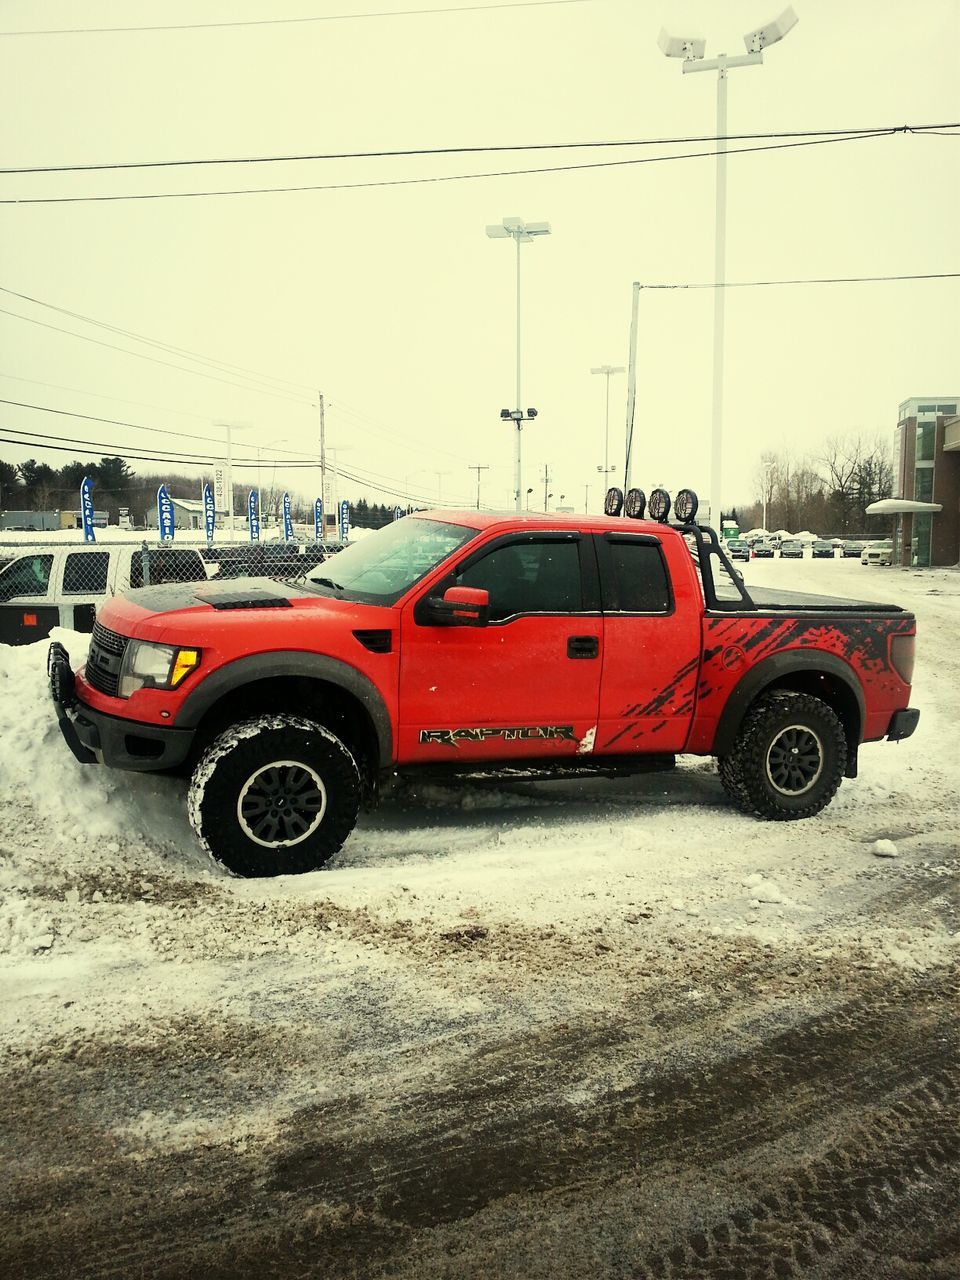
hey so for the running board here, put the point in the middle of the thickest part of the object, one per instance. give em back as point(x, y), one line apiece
point(537, 770)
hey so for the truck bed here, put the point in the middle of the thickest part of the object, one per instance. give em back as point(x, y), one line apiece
point(774, 601)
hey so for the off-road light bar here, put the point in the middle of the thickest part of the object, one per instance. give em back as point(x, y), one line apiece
point(685, 506)
point(613, 503)
point(659, 505)
point(635, 504)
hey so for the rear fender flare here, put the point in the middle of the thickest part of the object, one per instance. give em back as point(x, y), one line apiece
point(311, 666)
point(771, 671)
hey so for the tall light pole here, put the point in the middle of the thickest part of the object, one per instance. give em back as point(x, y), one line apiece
point(440, 475)
point(520, 232)
point(691, 50)
point(608, 370)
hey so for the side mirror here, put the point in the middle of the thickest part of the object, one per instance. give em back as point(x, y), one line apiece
point(460, 606)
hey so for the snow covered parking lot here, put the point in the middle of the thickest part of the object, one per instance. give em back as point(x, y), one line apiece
point(605, 1028)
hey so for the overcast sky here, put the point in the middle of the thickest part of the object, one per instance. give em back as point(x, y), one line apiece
point(392, 300)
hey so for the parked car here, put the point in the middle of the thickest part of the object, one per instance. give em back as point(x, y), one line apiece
point(764, 551)
point(791, 550)
point(823, 550)
point(852, 550)
point(877, 552)
point(737, 549)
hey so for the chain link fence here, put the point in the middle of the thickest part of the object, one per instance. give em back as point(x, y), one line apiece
point(45, 584)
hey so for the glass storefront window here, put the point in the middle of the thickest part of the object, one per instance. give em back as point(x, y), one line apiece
point(923, 484)
point(926, 441)
point(921, 540)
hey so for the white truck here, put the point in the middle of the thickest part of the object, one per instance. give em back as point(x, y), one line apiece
point(45, 585)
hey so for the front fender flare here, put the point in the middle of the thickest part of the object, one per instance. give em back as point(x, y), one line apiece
point(311, 666)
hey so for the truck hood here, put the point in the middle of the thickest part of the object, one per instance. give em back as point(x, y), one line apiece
point(178, 612)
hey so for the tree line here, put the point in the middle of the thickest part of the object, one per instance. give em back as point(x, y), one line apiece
point(827, 493)
point(35, 486)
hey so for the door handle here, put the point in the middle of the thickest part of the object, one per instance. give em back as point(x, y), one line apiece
point(583, 646)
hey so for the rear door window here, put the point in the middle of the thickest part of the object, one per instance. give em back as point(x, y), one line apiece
point(636, 580)
point(85, 573)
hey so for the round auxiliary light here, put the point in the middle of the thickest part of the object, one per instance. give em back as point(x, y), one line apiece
point(685, 506)
point(613, 503)
point(635, 504)
point(659, 504)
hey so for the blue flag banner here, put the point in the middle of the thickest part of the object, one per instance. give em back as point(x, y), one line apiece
point(287, 519)
point(318, 520)
point(253, 514)
point(344, 520)
point(165, 514)
point(209, 512)
point(86, 509)
point(397, 513)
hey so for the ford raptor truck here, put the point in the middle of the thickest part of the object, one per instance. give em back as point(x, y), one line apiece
point(459, 644)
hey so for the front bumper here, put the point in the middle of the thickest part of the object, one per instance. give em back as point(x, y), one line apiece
point(95, 738)
point(902, 724)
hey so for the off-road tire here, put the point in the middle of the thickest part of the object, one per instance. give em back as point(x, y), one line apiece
point(274, 795)
point(755, 775)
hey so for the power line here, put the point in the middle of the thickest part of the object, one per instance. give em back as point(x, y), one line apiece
point(199, 373)
point(758, 284)
point(298, 157)
point(454, 177)
point(212, 361)
point(327, 17)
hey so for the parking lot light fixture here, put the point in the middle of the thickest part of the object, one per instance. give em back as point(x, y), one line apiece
point(520, 232)
point(691, 50)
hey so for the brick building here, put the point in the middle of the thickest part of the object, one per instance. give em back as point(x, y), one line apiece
point(928, 470)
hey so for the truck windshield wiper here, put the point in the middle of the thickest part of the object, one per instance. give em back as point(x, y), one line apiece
point(327, 582)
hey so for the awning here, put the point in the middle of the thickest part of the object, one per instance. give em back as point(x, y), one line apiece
point(901, 506)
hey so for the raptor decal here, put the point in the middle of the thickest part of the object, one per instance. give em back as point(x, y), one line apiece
point(453, 737)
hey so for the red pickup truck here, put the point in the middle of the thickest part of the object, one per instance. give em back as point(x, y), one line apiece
point(463, 643)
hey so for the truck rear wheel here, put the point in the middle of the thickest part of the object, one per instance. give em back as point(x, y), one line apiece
point(788, 758)
point(275, 795)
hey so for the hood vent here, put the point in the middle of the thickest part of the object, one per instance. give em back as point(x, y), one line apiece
point(252, 598)
point(376, 641)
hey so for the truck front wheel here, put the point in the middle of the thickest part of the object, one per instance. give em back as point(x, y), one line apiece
point(788, 758)
point(275, 795)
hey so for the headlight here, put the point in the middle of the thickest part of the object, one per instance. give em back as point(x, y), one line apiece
point(154, 666)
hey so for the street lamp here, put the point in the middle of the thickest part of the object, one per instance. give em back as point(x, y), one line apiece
point(529, 491)
point(608, 370)
point(691, 50)
point(520, 232)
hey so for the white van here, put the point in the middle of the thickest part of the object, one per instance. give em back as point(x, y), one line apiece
point(46, 585)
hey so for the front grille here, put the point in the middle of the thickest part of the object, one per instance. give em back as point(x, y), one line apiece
point(103, 638)
point(103, 663)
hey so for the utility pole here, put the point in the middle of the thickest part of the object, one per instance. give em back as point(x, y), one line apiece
point(478, 470)
point(586, 499)
point(546, 483)
point(323, 467)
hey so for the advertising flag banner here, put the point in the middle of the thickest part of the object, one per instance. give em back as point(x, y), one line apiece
point(86, 509)
point(344, 520)
point(287, 519)
point(318, 520)
point(253, 514)
point(164, 514)
point(209, 513)
point(397, 513)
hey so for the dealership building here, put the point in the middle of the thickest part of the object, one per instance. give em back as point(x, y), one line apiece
point(928, 481)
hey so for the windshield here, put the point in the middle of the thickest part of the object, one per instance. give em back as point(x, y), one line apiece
point(386, 564)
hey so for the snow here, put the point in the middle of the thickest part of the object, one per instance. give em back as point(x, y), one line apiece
point(112, 916)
